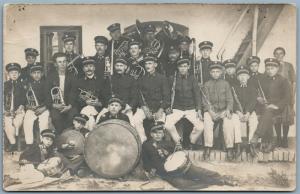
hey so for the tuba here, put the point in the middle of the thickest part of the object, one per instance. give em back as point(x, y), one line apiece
point(57, 96)
point(31, 98)
point(85, 95)
point(122, 50)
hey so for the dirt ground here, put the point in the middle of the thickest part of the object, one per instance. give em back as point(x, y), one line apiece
point(250, 176)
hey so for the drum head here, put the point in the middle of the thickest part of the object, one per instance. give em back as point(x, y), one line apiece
point(174, 161)
point(71, 135)
point(112, 149)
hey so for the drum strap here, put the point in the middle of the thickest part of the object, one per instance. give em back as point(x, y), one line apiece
point(187, 168)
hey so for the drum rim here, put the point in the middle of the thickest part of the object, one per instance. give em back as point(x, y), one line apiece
point(73, 131)
point(139, 144)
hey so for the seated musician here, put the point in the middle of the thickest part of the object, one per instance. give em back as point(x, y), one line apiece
point(115, 107)
point(89, 91)
point(75, 162)
point(245, 95)
point(122, 85)
point(59, 99)
point(155, 152)
point(218, 104)
point(186, 103)
point(14, 101)
point(36, 108)
point(42, 156)
point(154, 96)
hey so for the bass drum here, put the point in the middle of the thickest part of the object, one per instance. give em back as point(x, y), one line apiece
point(112, 149)
point(71, 135)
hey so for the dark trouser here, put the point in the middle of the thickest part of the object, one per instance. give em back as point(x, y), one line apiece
point(62, 121)
point(265, 125)
point(195, 178)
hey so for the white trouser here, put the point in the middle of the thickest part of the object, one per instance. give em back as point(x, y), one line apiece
point(89, 111)
point(128, 113)
point(232, 133)
point(138, 119)
point(13, 125)
point(29, 119)
point(252, 123)
point(191, 115)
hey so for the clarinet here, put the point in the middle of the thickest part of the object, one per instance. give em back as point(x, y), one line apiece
point(173, 90)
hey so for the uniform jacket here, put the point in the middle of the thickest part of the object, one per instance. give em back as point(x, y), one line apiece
point(19, 94)
point(100, 65)
point(219, 94)
point(154, 155)
point(108, 116)
point(232, 80)
point(187, 93)
point(156, 91)
point(205, 68)
point(53, 81)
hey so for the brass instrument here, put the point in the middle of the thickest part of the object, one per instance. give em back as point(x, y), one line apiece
point(57, 96)
point(137, 72)
point(145, 107)
point(31, 98)
point(155, 47)
point(122, 50)
point(261, 92)
point(85, 95)
point(108, 66)
point(173, 90)
point(112, 57)
point(71, 66)
point(11, 111)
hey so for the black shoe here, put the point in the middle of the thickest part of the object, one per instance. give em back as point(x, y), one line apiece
point(230, 154)
point(206, 153)
point(284, 142)
point(279, 142)
point(268, 148)
point(194, 147)
point(253, 151)
point(238, 150)
point(12, 148)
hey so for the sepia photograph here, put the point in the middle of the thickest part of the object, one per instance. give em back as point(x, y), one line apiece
point(149, 97)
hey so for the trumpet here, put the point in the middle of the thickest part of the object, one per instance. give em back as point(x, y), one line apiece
point(85, 95)
point(31, 98)
point(57, 96)
point(108, 66)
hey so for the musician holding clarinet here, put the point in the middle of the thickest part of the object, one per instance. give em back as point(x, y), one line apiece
point(36, 106)
point(14, 101)
point(275, 91)
point(59, 98)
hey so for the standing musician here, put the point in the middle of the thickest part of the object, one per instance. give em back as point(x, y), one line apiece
point(171, 66)
point(101, 57)
point(36, 104)
point(203, 64)
point(287, 71)
point(14, 101)
point(30, 57)
point(218, 105)
point(245, 95)
point(186, 102)
point(89, 92)
point(135, 66)
point(69, 46)
point(275, 91)
point(123, 86)
point(230, 72)
point(155, 152)
point(154, 94)
point(184, 47)
point(59, 99)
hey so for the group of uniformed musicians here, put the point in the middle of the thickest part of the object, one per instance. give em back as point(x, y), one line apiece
point(135, 80)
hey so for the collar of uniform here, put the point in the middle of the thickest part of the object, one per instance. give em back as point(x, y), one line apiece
point(151, 75)
point(14, 81)
point(70, 53)
point(243, 85)
point(254, 73)
point(119, 75)
point(99, 56)
point(205, 59)
point(36, 82)
point(113, 116)
point(86, 77)
point(184, 76)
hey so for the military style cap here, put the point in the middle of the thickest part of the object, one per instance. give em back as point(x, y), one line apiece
point(150, 28)
point(242, 69)
point(182, 61)
point(81, 118)
point(134, 42)
point(36, 67)
point(13, 67)
point(149, 57)
point(185, 39)
point(253, 59)
point(31, 52)
point(173, 49)
point(48, 133)
point(205, 44)
point(271, 62)
point(68, 37)
point(121, 60)
point(115, 98)
point(114, 27)
point(216, 65)
point(229, 63)
point(101, 39)
point(88, 60)
point(158, 126)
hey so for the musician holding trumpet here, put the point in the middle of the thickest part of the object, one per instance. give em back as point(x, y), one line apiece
point(14, 101)
point(36, 107)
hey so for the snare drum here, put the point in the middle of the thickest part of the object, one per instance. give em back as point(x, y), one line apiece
point(177, 163)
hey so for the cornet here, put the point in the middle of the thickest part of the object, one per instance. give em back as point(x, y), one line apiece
point(85, 95)
point(57, 96)
point(31, 98)
point(108, 66)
